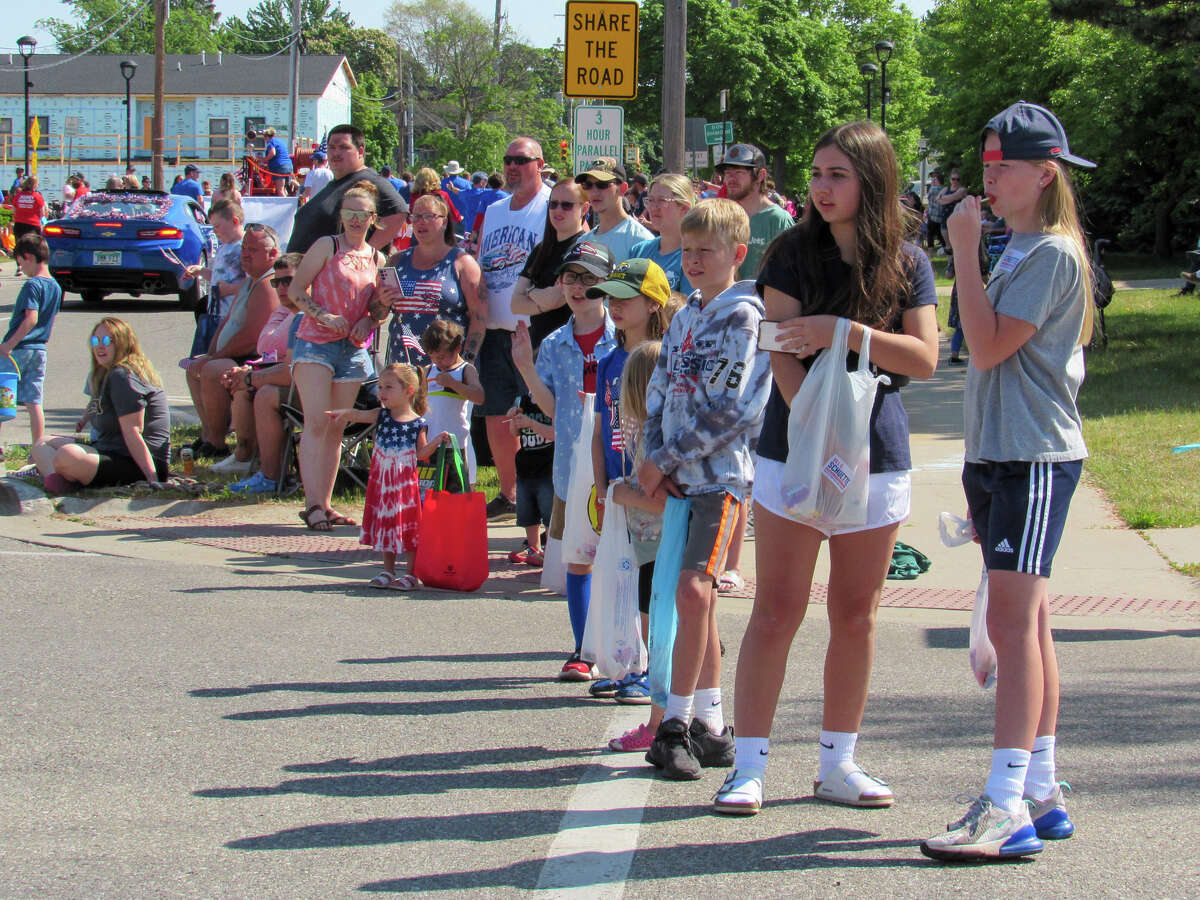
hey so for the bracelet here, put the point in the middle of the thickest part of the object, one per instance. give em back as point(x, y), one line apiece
point(248, 373)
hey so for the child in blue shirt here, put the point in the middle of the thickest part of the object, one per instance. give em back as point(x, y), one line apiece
point(29, 328)
point(566, 365)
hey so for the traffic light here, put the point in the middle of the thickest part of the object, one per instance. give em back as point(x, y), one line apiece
point(562, 149)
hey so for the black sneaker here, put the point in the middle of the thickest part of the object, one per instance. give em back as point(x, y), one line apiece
point(714, 751)
point(501, 508)
point(671, 752)
point(957, 361)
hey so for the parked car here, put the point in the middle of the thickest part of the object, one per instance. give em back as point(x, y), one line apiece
point(135, 242)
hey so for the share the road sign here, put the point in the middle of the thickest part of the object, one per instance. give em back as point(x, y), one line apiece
point(602, 50)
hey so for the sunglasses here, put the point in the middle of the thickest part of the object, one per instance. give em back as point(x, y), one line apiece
point(591, 185)
point(519, 160)
point(356, 215)
point(427, 217)
point(661, 201)
point(584, 278)
point(281, 281)
point(104, 341)
point(562, 204)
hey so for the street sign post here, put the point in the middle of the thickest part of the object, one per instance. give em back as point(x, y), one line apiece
point(601, 50)
point(713, 135)
point(599, 133)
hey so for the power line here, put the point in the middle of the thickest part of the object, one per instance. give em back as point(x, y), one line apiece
point(62, 62)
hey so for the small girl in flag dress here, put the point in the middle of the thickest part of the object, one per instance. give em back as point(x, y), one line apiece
point(392, 511)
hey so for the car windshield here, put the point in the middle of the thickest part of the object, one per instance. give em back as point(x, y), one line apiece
point(120, 206)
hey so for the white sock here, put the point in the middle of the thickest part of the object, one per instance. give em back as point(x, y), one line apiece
point(680, 708)
point(750, 755)
point(1006, 783)
point(709, 709)
point(1040, 781)
point(836, 747)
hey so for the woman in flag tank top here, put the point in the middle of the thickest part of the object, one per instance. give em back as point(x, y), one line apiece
point(437, 280)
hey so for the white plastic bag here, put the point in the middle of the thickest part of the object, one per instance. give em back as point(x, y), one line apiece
point(955, 531)
point(613, 636)
point(982, 653)
point(554, 570)
point(580, 536)
point(824, 480)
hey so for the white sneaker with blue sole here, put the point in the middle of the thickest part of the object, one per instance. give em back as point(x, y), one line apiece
point(986, 832)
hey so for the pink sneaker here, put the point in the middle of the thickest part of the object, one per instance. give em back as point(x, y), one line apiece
point(633, 740)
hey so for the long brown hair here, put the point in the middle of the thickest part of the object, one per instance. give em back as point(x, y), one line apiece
point(1059, 214)
point(879, 282)
point(635, 379)
point(541, 253)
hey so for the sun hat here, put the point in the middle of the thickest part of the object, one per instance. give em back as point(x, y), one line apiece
point(1031, 132)
point(452, 167)
point(633, 277)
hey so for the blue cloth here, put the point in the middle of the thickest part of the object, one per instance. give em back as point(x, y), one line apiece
point(189, 187)
point(560, 366)
point(608, 410)
point(400, 185)
point(481, 199)
point(281, 162)
point(44, 295)
point(672, 263)
point(579, 598)
point(664, 618)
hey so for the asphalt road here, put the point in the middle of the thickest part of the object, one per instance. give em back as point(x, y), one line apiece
point(163, 328)
point(176, 726)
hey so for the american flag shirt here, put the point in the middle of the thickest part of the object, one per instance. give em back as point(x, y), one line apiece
point(428, 294)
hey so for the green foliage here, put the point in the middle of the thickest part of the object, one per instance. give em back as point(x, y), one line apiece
point(1110, 91)
point(1165, 24)
point(378, 124)
point(481, 150)
point(189, 28)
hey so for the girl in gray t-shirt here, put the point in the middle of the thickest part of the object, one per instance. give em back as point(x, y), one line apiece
point(1024, 453)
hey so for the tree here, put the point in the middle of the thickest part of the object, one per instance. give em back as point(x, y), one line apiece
point(1164, 24)
point(379, 128)
point(102, 25)
point(452, 44)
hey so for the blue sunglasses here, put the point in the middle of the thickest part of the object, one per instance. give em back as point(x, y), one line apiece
point(105, 341)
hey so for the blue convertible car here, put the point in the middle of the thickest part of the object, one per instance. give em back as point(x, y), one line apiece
point(135, 242)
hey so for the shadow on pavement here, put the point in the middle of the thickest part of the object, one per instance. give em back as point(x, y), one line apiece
point(424, 686)
point(515, 656)
point(438, 762)
point(957, 638)
point(418, 708)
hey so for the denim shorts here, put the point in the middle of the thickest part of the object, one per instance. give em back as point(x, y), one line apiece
point(342, 358)
point(535, 501)
point(32, 363)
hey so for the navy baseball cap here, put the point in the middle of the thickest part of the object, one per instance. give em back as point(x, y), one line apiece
point(590, 256)
point(1031, 132)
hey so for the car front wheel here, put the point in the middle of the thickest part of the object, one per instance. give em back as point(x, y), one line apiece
point(92, 297)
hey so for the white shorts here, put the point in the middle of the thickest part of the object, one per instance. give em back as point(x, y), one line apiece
point(889, 496)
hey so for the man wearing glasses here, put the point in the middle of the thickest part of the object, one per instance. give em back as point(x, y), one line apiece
point(319, 216)
point(743, 172)
point(511, 229)
point(604, 186)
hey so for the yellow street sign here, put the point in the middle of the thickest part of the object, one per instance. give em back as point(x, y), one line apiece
point(602, 50)
point(35, 131)
point(32, 162)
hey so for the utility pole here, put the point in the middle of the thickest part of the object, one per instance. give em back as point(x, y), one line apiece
point(496, 36)
point(412, 111)
point(294, 81)
point(160, 77)
point(401, 108)
point(673, 82)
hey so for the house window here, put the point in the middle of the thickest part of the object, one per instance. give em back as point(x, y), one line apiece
point(6, 138)
point(218, 139)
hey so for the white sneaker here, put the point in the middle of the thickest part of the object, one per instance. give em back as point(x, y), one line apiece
point(740, 795)
point(986, 832)
point(231, 465)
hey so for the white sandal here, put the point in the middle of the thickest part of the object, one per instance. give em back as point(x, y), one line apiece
point(730, 582)
point(837, 788)
point(404, 583)
point(382, 581)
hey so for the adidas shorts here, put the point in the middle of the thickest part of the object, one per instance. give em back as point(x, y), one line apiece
point(1019, 510)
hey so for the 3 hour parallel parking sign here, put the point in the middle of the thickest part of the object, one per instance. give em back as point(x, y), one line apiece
point(602, 50)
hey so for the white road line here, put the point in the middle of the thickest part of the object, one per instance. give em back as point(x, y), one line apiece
point(597, 838)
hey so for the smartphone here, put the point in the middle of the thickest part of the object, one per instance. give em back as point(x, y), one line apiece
point(389, 276)
point(770, 336)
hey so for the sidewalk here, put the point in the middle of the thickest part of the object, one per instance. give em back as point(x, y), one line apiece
point(1102, 566)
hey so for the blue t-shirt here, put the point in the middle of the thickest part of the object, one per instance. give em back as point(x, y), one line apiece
point(672, 263)
point(608, 410)
point(281, 162)
point(189, 187)
point(889, 421)
point(44, 295)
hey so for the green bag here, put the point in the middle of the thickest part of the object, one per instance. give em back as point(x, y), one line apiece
point(907, 563)
point(445, 470)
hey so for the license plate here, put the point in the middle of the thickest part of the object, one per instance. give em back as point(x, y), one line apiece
point(106, 257)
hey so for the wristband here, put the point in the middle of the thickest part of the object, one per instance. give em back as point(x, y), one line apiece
point(248, 373)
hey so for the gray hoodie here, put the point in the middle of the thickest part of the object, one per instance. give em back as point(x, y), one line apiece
point(706, 397)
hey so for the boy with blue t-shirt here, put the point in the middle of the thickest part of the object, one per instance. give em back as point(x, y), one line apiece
point(29, 328)
point(566, 366)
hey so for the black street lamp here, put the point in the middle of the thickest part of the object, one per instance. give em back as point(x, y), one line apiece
point(868, 70)
point(26, 45)
point(128, 68)
point(883, 52)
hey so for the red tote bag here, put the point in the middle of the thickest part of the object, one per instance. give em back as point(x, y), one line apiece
point(452, 550)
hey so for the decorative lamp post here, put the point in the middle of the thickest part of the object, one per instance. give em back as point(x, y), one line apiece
point(128, 68)
point(883, 52)
point(27, 45)
point(868, 70)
